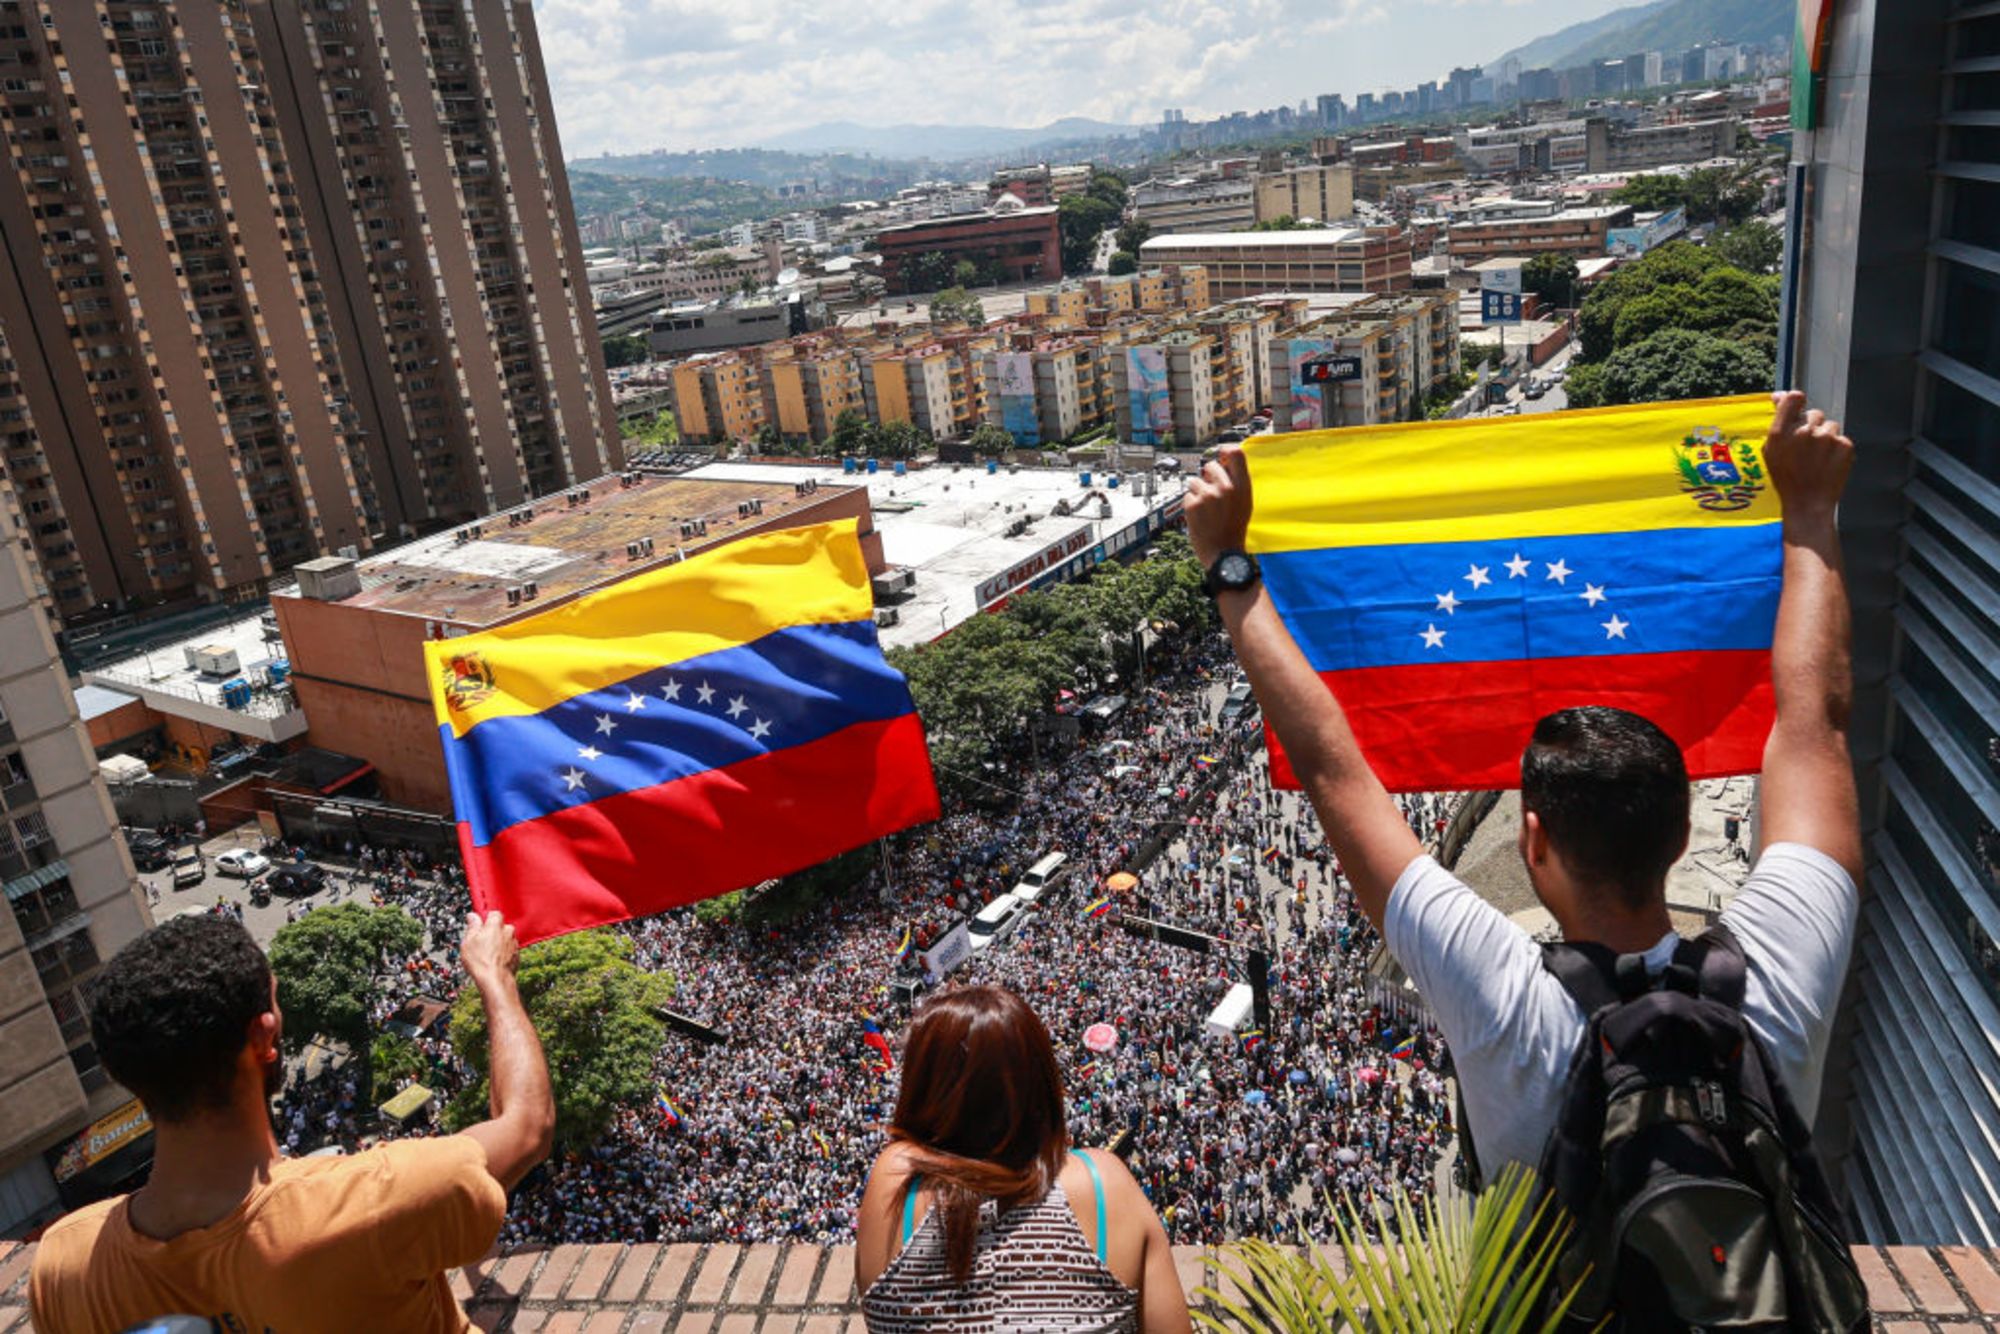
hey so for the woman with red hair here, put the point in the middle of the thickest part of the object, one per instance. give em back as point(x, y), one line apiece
point(979, 1215)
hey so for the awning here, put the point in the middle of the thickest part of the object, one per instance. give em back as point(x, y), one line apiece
point(39, 878)
point(354, 777)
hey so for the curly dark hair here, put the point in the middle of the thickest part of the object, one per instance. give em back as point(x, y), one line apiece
point(170, 1011)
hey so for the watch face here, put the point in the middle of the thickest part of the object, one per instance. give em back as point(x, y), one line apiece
point(1233, 570)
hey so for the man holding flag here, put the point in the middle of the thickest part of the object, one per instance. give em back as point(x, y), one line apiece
point(1425, 606)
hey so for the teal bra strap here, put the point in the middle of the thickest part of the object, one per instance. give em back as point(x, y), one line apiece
point(910, 1208)
point(1097, 1189)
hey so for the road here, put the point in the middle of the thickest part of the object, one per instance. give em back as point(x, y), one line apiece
point(1557, 398)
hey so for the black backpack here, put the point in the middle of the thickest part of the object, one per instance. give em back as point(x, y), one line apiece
point(1696, 1200)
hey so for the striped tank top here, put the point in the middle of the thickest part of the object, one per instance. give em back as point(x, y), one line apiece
point(1032, 1273)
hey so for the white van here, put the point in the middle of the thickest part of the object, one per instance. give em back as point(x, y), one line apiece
point(996, 921)
point(1041, 877)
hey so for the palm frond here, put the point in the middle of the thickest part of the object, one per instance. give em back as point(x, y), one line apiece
point(1457, 1267)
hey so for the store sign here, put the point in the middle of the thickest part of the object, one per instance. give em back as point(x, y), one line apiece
point(104, 1138)
point(1047, 558)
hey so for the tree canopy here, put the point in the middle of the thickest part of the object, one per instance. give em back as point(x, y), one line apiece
point(626, 350)
point(1754, 247)
point(1672, 364)
point(1725, 195)
point(330, 966)
point(1122, 262)
point(594, 1010)
point(1082, 219)
point(990, 439)
point(1552, 278)
point(1680, 323)
point(955, 305)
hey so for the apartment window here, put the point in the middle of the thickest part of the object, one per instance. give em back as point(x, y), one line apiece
point(44, 908)
point(65, 961)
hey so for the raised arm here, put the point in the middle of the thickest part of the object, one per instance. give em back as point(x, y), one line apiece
point(521, 1130)
point(1362, 823)
point(1808, 788)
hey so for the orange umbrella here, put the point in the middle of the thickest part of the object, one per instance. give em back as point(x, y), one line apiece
point(1121, 882)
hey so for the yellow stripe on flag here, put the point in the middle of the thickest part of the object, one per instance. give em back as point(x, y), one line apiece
point(719, 599)
point(1605, 470)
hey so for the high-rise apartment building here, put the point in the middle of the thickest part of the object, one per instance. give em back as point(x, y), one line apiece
point(1898, 341)
point(72, 903)
point(281, 278)
point(1324, 193)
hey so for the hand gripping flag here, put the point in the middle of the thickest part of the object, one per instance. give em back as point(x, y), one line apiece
point(1454, 582)
point(691, 730)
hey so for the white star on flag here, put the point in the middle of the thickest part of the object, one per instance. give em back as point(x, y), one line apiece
point(1478, 577)
point(1448, 603)
point(759, 729)
point(605, 727)
point(1517, 568)
point(1560, 572)
point(737, 707)
point(1615, 628)
point(590, 753)
point(635, 702)
point(1592, 593)
point(671, 690)
point(704, 693)
point(1433, 637)
point(572, 780)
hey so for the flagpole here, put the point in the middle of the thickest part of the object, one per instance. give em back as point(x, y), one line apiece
point(1794, 272)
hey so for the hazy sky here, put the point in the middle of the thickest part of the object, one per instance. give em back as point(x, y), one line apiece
point(631, 75)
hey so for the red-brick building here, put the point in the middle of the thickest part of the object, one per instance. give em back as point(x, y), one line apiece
point(1024, 242)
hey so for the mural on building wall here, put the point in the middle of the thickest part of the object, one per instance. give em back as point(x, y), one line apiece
point(1810, 44)
point(1017, 398)
point(1152, 402)
point(1307, 401)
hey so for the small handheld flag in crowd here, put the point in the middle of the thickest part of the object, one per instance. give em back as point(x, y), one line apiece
point(903, 950)
point(1252, 1039)
point(668, 1112)
point(1405, 1049)
point(825, 1149)
point(1098, 907)
point(871, 1033)
point(1270, 854)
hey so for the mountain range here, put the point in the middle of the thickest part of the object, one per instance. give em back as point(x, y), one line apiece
point(942, 142)
point(1664, 25)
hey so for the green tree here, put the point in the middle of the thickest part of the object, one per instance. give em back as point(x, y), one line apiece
point(768, 440)
point(927, 272)
point(955, 305)
point(851, 432)
point(1552, 278)
point(395, 1061)
point(1754, 247)
point(898, 440)
point(1684, 363)
point(331, 965)
point(626, 350)
point(595, 1012)
point(657, 430)
point(1122, 261)
point(1584, 385)
point(1134, 234)
point(1653, 194)
point(1675, 264)
point(1081, 219)
point(1109, 187)
point(990, 439)
point(964, 274)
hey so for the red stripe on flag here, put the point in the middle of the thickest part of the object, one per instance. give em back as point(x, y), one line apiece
point(660, 847)
point(1457, 726)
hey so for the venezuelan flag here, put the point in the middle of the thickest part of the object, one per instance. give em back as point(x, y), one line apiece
point(1405, 1049)
point(903, 949)
point(668, 1112)
point(705, 726)
point(1454, 582)
point(1097, 907)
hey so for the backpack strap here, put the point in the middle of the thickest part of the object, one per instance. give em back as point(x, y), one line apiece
point(1097, 1189)
point(1588, 972)
point(1718, 961)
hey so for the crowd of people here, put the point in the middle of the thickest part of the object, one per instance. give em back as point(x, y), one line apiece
point(1246, 1133)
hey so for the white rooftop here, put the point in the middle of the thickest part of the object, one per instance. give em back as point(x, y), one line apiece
point(949, 524)
point(1307, 240)
point(171, 682)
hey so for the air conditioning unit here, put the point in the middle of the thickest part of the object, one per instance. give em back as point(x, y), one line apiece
point(529, 589)
point(514, 597)
point(887, 616)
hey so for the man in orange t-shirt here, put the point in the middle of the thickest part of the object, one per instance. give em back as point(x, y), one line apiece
point(187, 1018)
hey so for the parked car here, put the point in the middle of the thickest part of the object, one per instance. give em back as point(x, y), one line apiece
point(242, 862)
point(296, 881)
point(1043, 876)
point(150, 852)
point(1240, 702)
point(189, 869)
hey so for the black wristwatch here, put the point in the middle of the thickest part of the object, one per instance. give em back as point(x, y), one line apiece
point(1232, 572)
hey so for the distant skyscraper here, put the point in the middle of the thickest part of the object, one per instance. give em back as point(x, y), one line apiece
point(1460, 86)
point(1332, 110)
point(320, 284)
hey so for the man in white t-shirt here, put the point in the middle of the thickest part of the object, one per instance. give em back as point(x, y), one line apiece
point(1604, 816)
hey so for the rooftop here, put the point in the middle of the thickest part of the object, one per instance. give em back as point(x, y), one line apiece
point(1305, 240)
point(950, 524)
point(196, 678)
point(970, 219)
point(463, 574)
point(96, 701)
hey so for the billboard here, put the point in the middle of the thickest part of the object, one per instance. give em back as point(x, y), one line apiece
point(1307, 403)
point(1017, 398)
point(1152, 403)
point(1499, 307)
point(1631, 242)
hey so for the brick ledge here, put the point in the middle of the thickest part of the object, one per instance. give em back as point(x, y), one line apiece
point(652, 1288)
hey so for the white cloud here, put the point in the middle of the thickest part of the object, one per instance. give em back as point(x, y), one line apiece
point(631, 75)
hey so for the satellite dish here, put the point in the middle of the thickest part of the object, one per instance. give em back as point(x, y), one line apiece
point(787, 277)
